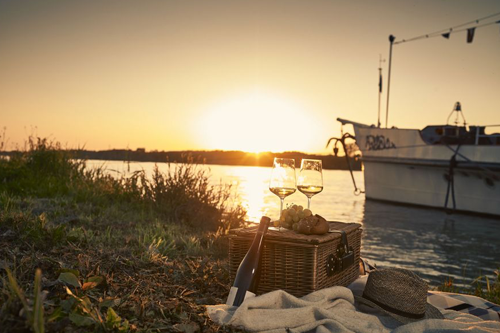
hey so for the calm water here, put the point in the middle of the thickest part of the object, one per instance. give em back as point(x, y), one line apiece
point(424, 240)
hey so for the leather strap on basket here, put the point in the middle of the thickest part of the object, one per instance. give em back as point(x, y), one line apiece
point(343, 257)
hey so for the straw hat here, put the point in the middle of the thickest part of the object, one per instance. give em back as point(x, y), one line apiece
point(399, 293)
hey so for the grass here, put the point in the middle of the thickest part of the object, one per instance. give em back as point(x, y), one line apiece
point(82, 251)
point(482, 287)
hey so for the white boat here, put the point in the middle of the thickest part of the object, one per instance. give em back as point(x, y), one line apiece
point(443, 166)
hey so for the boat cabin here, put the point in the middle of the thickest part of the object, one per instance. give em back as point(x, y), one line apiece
point(449, 134)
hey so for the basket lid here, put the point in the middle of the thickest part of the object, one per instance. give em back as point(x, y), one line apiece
point(290, 235)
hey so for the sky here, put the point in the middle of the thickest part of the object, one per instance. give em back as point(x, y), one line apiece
point(261, 75)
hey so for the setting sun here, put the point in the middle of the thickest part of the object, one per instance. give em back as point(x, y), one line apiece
point(255, 122)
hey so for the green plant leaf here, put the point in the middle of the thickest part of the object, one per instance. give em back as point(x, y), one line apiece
point(19, 292)
point(86, 304)
point(115, 322)
point(80, 320)
point(38, 320)
point(67, 304)
point(56, 315)
point(70, 270)
point(97, 279)
point(69, 278)
point(112, 317)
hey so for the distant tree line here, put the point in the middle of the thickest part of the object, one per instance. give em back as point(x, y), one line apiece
point(210, 157)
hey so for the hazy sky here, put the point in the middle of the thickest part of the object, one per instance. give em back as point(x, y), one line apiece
point(246, 75)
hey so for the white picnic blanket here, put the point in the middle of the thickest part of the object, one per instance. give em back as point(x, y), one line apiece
point(331, 310)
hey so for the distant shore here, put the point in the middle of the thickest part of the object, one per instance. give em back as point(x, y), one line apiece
point(219, 157)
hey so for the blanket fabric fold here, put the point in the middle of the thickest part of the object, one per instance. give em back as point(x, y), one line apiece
point(332, 310)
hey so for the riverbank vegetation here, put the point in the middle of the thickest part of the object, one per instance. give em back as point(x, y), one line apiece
point(482, 286)
point(81, 251)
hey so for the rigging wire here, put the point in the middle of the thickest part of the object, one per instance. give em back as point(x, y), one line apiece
point(452, 29)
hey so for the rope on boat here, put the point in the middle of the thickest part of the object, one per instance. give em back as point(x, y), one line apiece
point(451, 183)
point(468, 160)
point(357, 190)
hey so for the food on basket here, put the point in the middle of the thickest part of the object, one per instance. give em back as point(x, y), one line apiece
point(295, 216)
point(313, 225)
point(291, 216)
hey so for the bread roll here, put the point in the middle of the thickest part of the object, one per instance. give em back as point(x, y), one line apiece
point(313, 225)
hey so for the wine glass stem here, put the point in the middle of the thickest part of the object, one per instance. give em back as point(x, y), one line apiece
point(308, 202)
point(281, 207)
point(281, 212)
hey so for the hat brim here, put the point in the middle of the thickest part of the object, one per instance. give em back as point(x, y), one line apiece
point(431, 312)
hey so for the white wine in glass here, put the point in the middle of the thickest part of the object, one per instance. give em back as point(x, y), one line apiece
point(310, 180)
point(282, 181)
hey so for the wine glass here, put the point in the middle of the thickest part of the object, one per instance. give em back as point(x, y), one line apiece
point(310, 180)
point(282, 181)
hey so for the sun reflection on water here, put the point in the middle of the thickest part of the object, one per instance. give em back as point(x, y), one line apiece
point(250, 185)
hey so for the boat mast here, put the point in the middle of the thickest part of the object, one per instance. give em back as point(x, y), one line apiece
point(391, 40)
point(379, 86)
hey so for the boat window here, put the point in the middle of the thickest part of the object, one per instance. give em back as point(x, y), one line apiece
point(451, 131)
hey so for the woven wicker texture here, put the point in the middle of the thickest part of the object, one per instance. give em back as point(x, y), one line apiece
point(294, 262)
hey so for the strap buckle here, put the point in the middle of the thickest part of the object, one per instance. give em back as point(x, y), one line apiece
point(343, 257)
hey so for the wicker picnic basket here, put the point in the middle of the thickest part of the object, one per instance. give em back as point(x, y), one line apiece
point(300, 264)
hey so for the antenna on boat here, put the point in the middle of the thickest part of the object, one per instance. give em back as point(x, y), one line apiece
point(391, 40)
point(458, 109)
point(379, 86)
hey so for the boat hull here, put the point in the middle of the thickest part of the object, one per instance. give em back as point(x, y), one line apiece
point(399, 166)
point(428, 186)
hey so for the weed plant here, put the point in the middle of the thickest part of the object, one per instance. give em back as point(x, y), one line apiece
point(482, 287)
point(81, 251)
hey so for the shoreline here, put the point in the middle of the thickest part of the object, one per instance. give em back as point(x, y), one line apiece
point(217, 157)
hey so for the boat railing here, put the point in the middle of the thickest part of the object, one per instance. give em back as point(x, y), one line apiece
point(479, 132)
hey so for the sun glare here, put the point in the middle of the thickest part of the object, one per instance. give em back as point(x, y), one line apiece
point(255, 122)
